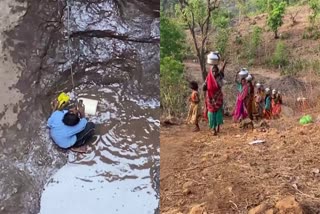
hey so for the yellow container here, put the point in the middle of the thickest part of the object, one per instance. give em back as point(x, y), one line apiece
point(63, 99)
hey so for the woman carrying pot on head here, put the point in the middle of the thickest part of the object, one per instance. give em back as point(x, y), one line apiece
point(250, 100)
point(276, 102)
point(214, 97)
point(267, 105)
point(240, 112)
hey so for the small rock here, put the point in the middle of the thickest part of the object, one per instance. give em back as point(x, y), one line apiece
point(3, 140)
point(186, 191)
point(19, 126)
point(187, 185)
point(289, 205)
point(315, 171)
point(269, 211)
point(40, 163)
point(258, 209)
point(186, 188)
point(198, 209)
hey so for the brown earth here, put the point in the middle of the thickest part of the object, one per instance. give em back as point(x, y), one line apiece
point(231, 176)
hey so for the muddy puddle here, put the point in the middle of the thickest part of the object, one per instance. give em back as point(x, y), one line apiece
point(115, 59)
point(118, 174)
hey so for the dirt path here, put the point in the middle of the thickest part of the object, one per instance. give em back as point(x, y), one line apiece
point(230, 176)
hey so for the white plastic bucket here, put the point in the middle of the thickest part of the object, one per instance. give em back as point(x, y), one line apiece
point(90, 105)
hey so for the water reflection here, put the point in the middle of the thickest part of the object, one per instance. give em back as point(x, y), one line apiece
point(118, 174)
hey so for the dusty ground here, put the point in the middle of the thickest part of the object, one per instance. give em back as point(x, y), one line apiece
point(231, 176)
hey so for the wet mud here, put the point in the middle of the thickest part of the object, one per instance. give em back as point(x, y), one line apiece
point(115, 59)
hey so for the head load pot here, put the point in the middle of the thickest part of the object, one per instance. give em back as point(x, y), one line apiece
point(213, 58)
point(243, 73)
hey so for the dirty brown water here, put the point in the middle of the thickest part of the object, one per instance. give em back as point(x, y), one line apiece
point(115, 56)
point(119, 172)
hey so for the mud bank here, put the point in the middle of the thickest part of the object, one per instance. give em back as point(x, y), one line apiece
point(115, 46)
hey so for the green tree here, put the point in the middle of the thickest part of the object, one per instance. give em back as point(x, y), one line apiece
point(172, 39)
point(196, 14)
point(221, 19)
point(275, 16)
point(171, 68)
point(221, 40)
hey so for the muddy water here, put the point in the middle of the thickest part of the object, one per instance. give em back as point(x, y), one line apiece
point(119, 172)
point(115, 59)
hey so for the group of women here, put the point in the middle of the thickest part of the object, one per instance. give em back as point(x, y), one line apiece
point(253, 101)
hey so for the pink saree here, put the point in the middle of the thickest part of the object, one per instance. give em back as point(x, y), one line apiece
point(240, 111)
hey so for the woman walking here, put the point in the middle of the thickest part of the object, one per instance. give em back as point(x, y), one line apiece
point(240, 112)
point(214, 100)
point(250, 100)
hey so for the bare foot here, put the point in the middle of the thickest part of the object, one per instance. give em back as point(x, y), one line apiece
point(81, 149)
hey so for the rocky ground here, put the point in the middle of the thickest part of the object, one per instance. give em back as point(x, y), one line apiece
point(225, 174)
point(111, 42)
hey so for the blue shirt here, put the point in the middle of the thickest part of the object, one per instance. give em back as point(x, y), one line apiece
point(64, 136)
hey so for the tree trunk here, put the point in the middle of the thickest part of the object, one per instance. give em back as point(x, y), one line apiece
point(202, 61)
point(276, 34)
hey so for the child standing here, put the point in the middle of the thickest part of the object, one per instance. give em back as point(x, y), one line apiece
point(267, 106)
point(258, 98)
point(193, 114)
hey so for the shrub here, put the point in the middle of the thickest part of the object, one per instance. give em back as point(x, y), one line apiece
point(252, 44)
point(280, 56)
point(221, 41)
point(172, 86)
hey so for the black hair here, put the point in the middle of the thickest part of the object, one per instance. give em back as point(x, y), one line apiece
point(70, 119)
point(215, 67)
point(194, 85)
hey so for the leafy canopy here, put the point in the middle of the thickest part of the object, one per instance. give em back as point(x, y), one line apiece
point(276, 15)
point(172, 39)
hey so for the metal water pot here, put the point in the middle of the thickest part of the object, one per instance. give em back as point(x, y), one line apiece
point(213, 58)
point(243, 73)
